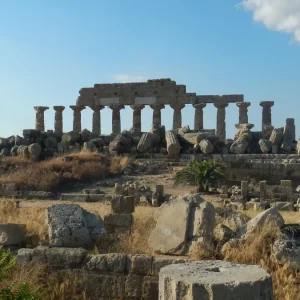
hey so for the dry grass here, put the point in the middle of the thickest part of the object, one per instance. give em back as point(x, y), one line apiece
point(51, 174)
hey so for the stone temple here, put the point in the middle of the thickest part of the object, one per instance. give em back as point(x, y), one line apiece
point(155, 93)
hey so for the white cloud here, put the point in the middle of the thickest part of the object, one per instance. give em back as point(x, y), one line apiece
point(123, 78)
point(279, 15)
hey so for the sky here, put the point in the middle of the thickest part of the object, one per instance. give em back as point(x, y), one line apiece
point(49, 50)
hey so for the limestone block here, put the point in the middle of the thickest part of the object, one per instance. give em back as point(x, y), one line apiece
point(96, 262)
point(240, 145)
point(150, 288)
point(139, 264)
point(120, 144)
point(235, 221)
point(65, 257)
point(12, 234)
point(161, 261)
point(222, 233)
point(122, 204)
point(116, 262)
point(286, 183)
point(288, 136)
point(39, 254)
point(173, 145)
point(276, 136)
point(214, 280)
point(119, 220)
point(265, 146)
point(24, 255)
point(192, 138)
point(146, 142)
point(283, 206)
point(270, 215)
point(206, 146)
point(71, 138)
point(23, 151)
point(133, 286)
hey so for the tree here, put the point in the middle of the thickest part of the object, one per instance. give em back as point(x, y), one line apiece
point(200, 173)
point(11, 292)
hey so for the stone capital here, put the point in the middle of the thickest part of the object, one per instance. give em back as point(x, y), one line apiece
point(96, 108)
point(77, 108)
point(116, 107)
point(199, 105)
point(220, 104)
point(59, 108)
point(177, 106)
point(40, 109)
point(267, 104)
point(137, 107)
point(157, 106)
point(243, 105)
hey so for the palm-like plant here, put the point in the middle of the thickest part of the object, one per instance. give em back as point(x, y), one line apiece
point(200, 173)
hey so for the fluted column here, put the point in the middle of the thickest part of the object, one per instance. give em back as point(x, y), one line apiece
point(137, 116)
point(266, 113)
point(221, 123)
point(77, 117)
point(58, 119)
point(243, 112)
point(198, 120)
point(177, 119)
point(116, 118)
point(96, 119)
point(39, 117)
point(157, 113)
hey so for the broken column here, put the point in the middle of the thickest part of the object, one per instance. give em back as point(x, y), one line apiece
point(58, 120)
point(77, 117)
point(173, 145)
point(177, 119)
point(137, 120)
point(157, 113)
point(39, 117)
point(116, 118)
point(198, 120)
point(97, 119)
point(243, 112)
point(145, 143)
point(214, 280)
point(288, 136)
point(266, 117)
point(221, 123)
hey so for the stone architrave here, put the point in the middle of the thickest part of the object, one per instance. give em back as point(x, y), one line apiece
point(243, 111)
point(266, 113)
point(157, 113)
point(221, 123)
point(177, 119)
point(137, 116)
point(116, 118)
point(58, 119)
point(77, 117)
point(198, 121)
point(97, 119)
point(39, 119)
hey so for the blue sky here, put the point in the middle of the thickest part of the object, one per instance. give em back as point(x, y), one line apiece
point(50, 49)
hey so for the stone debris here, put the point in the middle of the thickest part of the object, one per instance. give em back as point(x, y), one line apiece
point(12, 234)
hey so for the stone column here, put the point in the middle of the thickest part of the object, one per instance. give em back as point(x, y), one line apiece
point(157, 113)
point(58, 119)
point(243, 112)
point(221, 124)
point(266, 113)
point(77, 117)
point(96, 119)
point(177, 120)
point(137, 120)
point(39, 117)
point(198, 121)
point(116, 119)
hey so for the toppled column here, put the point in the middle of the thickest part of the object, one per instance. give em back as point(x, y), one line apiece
point(214, 280)
point(266, 117)
point(177, 119)
point(116, 118)
point(97, 119)
point(77, 117)
point(145, 142)
point(39, 117)
point(157, 113)
point(221, 123)
point(137, 119)
point(288, 136)
point(173, 145)
point(58, 119)
point(198, 121)
point(243, 111)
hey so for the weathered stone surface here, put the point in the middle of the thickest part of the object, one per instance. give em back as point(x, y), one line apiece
point(161, 261)
point(50, 142)
point(173, 145)
point(23, 151)
point(96, 262)
point(182, 219)
point(265, 146)
point(240, 145)
point(139, 264)
point(116, 262)
point(150, 288)
point(119, 220)
point(12, 234)
point(24, 255)
point(223, 234)
point(235, 221)
point(120, 144)
point(192, 138)
point(288, 136)
point(276, 136)
point(271, 215)
point(65, 257)
point(283, 206)
point(146, 142)
point(206, 146)
point(71, 138)
point(133, 287)
point(158, 133)
point(214, 280)
point(122, 204)
point(71, 226)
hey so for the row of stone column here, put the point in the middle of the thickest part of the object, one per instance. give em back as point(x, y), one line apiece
point(177, 117)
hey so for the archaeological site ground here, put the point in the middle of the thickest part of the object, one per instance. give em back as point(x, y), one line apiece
point(173, 214)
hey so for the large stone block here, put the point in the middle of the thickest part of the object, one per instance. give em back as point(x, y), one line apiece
point(120, 220)
point(12, 234)
point(133, 286)
point(214, 280)
point(116, 262)
point(139, 264)
point(122, 204)
point(173, 145)
point(150, 288)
